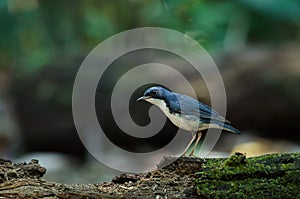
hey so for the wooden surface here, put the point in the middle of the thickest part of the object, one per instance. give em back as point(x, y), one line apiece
point(184, 178)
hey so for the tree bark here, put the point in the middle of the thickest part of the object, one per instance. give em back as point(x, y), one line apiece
point(268, 176)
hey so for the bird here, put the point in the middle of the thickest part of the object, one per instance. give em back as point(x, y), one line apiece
point(187, 113)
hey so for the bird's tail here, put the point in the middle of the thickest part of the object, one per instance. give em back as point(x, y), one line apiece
point(226, 127)
point(230, 128)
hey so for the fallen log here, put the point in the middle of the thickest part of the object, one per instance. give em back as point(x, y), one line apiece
point(267, 176)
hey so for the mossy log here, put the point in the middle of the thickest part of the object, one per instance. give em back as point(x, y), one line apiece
point(268, 176)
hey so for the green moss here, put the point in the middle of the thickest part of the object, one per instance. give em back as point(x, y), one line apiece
point(268, 176)
point(235, 160)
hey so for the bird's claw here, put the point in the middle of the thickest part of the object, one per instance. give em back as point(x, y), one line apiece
point(192, 155)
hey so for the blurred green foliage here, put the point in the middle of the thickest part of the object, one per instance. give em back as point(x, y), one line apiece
point(34, 33)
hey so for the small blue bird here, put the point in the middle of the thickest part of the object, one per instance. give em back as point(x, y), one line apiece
point(187, 113)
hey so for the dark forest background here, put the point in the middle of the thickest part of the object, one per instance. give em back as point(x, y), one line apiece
point(42, 44)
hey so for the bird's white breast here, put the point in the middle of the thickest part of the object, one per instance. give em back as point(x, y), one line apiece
point(186, 122)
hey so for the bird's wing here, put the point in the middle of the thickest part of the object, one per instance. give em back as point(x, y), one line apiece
point(187, 105)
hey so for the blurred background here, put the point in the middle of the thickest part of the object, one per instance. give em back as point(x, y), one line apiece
point(42, 44)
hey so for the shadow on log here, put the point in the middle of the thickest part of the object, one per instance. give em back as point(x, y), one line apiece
point(268, 176)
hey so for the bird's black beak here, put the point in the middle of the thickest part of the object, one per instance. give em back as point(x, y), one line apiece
point(142, 98)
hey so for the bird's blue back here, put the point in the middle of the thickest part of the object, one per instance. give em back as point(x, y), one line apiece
point(183, 104)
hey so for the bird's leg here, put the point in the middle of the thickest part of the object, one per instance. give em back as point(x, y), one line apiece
point(199, 134)
point(190, 143)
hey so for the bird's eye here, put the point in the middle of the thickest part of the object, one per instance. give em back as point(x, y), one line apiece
point(154, 92)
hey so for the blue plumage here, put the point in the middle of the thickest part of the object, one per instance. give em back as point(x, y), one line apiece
point(186, 112)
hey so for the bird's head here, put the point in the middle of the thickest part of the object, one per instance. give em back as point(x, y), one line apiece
point(155, 93)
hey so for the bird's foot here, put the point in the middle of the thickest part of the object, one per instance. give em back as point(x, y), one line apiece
point(192, 155)
point(184, 155)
